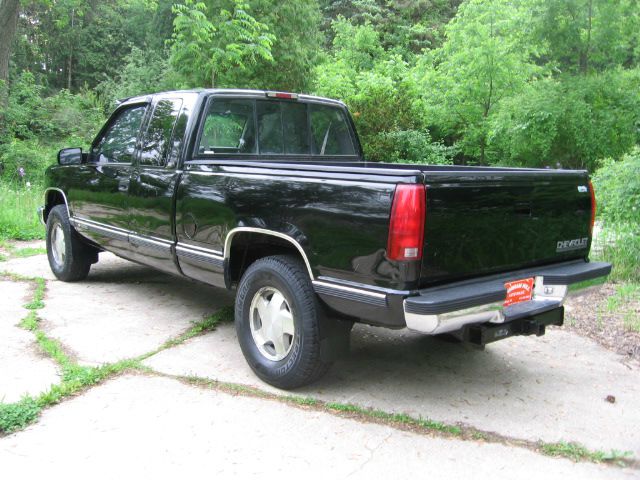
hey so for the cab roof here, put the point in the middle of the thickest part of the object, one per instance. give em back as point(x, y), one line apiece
point(245, 93)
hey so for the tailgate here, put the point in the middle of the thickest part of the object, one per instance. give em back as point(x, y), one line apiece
point(483, 222)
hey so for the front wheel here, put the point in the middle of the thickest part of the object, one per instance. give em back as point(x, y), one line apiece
point(280, 323)
point(69, 258)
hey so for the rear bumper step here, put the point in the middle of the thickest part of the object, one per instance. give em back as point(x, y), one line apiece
point(452, 308)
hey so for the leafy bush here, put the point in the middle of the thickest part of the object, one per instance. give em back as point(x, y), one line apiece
point(18, 215)
point(619, 243)
point(23, 161)
point(143, 72)
point(35, 127)
point(379, 90)
point(408, 146)
point(573, 121)
point(617, 186)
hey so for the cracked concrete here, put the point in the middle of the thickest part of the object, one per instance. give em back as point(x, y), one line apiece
point(141, 427)
point(548, 388)
point(23, 368)
point(124, 310)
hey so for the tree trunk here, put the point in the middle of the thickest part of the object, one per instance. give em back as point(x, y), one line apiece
point(8, 23)
point(584, 55)
point(70, 58)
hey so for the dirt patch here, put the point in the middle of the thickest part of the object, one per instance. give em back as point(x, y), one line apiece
point(591, 313)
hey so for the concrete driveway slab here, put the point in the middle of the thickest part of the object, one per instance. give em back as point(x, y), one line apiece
point(550, 388)
point(123, 310)
point(35, 266)
point(23, 369)
point(141, 427)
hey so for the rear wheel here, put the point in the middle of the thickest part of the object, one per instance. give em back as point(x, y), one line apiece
point(69, 257)
point(280, 323)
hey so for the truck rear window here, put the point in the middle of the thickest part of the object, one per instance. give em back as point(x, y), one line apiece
point(283, 128)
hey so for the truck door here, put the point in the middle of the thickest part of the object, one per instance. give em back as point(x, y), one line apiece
point(98, 193)
point(154, 177)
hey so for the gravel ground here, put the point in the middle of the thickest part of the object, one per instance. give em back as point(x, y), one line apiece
point(588, 314)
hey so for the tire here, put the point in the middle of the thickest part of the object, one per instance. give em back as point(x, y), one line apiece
point(284, 347)
point(69, 257)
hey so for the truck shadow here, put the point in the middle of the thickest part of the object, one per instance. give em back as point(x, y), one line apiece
point(413, 373)
point(383, 365)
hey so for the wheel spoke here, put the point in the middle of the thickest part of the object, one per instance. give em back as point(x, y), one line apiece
point(58, 244)
point(263, 312)
point(258, 335)
point(275, 304)
point(280, 345)
point(286, 320)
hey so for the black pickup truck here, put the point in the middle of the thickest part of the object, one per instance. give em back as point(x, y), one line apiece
point(268, 193)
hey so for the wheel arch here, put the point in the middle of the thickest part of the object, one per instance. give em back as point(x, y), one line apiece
point(245, 245)
point(52, 197)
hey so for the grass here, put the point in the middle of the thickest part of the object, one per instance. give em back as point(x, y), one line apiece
point(579, 453)
point(401, 418)
point(619, 243)
point(28, 252)
point(207, 325)
point(17, 415)
point(37, 302)
point(18, 215)
point(625, 301)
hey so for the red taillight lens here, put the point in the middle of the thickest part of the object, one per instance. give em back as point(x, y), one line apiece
point(593, 207)
point(406, 227)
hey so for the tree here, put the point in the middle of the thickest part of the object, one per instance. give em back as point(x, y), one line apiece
point(203, 48)
point(295, 50)
point(8, 23)
point(485, 58)
point(586, 35)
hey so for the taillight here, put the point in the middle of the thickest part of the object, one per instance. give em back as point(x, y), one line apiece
point(406, 226)
point(593, 207)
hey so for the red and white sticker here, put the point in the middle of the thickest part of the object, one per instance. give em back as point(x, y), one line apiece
point(518, 291)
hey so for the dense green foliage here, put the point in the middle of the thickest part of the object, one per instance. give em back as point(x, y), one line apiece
point(618, 187)
point(538, 83)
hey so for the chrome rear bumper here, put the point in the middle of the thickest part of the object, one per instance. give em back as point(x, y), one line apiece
point(453, 307)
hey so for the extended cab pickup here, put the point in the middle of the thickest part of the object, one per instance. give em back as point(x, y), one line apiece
point(268, 193)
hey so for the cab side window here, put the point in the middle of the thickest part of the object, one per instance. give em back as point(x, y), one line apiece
point(156, 142)
point(118, 142)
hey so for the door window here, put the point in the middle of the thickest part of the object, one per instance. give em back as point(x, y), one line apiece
point(118, 143)
point(157, 139)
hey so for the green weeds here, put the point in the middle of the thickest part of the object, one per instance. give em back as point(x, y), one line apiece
point(15, 416)
point(18, 215)
point(38, 295)
point(579, 453)
point(626, 302)
point(209, 324)
point(28, 252)
point(401, 418)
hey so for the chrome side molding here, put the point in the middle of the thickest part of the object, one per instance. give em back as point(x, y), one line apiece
point(228, 241)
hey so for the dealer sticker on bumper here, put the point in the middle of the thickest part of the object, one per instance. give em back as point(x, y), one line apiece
point(518, 291)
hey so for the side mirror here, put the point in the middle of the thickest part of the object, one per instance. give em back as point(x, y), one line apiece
point(70, 156)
